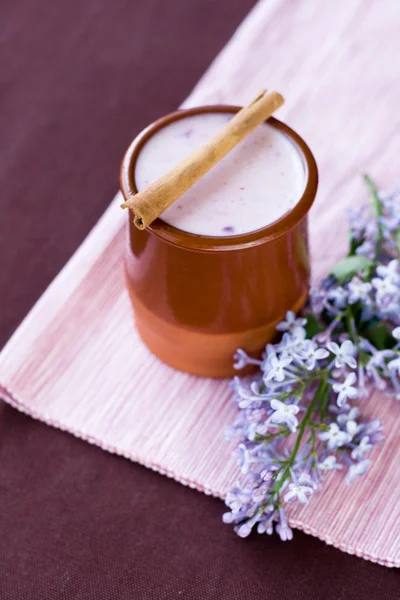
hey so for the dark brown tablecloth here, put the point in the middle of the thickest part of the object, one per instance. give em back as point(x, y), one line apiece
point(78, 81)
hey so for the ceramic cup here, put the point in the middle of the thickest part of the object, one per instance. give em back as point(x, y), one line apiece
point(197, 299)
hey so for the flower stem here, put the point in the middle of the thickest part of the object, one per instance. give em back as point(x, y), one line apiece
point(351, 328)
point(313, 439)
point(319, 394)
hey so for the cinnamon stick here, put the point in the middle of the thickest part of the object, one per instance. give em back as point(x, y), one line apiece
point(151, 202)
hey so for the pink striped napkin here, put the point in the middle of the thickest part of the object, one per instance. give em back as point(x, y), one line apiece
point(76, 362)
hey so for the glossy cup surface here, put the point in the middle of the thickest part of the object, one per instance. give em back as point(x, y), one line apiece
point(196, 298)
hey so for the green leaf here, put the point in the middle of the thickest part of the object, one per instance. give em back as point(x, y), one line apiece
point(353, 244)
point(312, 326)
point(379, 335)
point(376, 203)
point(349, 266)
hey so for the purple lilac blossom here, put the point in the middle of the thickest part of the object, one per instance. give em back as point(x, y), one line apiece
point(270, 410)
point(296, 420)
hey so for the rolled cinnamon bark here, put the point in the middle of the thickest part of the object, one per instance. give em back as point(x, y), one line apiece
point(151, 202)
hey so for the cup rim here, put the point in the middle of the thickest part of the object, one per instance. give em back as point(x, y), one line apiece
point(192, 241)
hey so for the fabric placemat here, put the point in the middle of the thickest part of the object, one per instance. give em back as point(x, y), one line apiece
point(76, 361)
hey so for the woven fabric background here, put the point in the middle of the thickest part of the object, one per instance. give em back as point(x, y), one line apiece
point(85, 370)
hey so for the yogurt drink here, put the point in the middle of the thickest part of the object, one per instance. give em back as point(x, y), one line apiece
point(258, 182)
point(227, 259)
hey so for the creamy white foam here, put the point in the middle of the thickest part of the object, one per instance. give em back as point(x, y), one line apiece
point(254, 185)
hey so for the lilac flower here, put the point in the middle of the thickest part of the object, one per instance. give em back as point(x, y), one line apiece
point(374, 430)
point(244, 529)
point(344, 354)
point(248, 397)
point(367, 248)
point(389, 225)
point(285, 414)
point(318, 298)
point(357, 222)
point(359, 291)
point(390, 271)
point(387, 286)
point(363, 447)
point(305, 479)
point(296, 420)
point(346, 389)
point(352, 429)
point(310, 353)
point(267, 474)
point(379, 357)
point(370, 239)
point(349, 415)
point(394, 365)
point(275, 367)
point(291, 324)
point(230, 432)
point(384, 287)
point(237, 499)
point(261, 492)
point(299, 492)
point(329, 464)
point(338, 296)
point(245, 459)
point(357, 469)
point(334, 437)
point(396, 333)
point(283, 529)
point(293, 344)
point(266, 525)
point(362, 390)
point(228, 517)
point(241, 360)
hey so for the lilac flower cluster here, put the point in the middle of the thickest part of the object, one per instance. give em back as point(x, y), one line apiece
point(361, 297)
point(370, 274)
point(297, 419)
point(369, 235)
point(303, 395)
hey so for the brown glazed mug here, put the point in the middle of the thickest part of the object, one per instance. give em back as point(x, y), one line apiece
point(197, 299)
